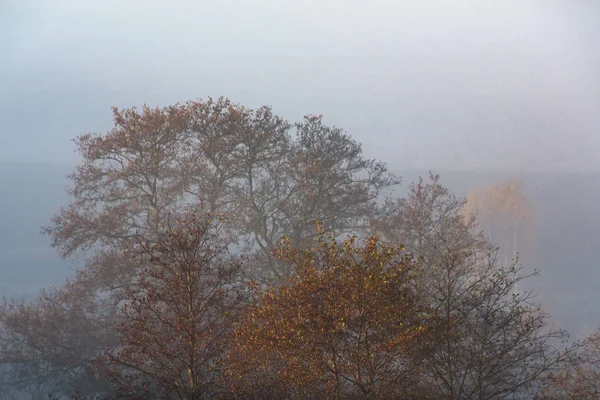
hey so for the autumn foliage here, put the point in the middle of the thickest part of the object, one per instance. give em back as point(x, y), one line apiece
point(347, 326)
point(386, 297)
point(505, 215)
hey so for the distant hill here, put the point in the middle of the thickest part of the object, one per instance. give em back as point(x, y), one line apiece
point(567, 231)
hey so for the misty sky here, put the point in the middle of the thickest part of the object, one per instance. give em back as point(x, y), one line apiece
point(426, 84)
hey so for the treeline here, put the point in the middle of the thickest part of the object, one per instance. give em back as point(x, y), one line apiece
point(232, 254)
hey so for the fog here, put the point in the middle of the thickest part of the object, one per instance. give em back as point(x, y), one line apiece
point(426, 84)
point(478, 91)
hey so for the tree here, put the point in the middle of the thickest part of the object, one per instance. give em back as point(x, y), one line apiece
point(505, 214)
point(577, 376)
point(230, 159)
point(217, 157)
point(176, 319)
point(277, 185)
point(429, 222)
point(128, 181)
point(123, 188)
point(493, 341)
point(497, 342)
point(346, 326)
point(46, 344)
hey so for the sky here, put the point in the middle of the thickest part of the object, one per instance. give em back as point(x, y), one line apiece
point(460, 84)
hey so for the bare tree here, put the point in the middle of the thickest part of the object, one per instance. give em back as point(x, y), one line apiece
point(577, 376)
point(46, 344)
point(176, 320)
point(495, 341)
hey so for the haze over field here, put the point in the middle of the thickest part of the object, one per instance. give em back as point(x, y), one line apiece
point(477, 91)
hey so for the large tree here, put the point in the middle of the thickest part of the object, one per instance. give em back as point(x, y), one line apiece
point(266, 176)
point(219, 156)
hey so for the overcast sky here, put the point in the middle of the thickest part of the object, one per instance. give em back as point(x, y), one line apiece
point(428, 84)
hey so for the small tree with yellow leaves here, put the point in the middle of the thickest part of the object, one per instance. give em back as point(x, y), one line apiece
point(346, 326)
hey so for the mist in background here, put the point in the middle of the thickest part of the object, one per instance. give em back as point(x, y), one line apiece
point(427, 84)
point(475, 90)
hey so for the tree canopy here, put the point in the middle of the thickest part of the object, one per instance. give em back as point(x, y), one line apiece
point(230, 253)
